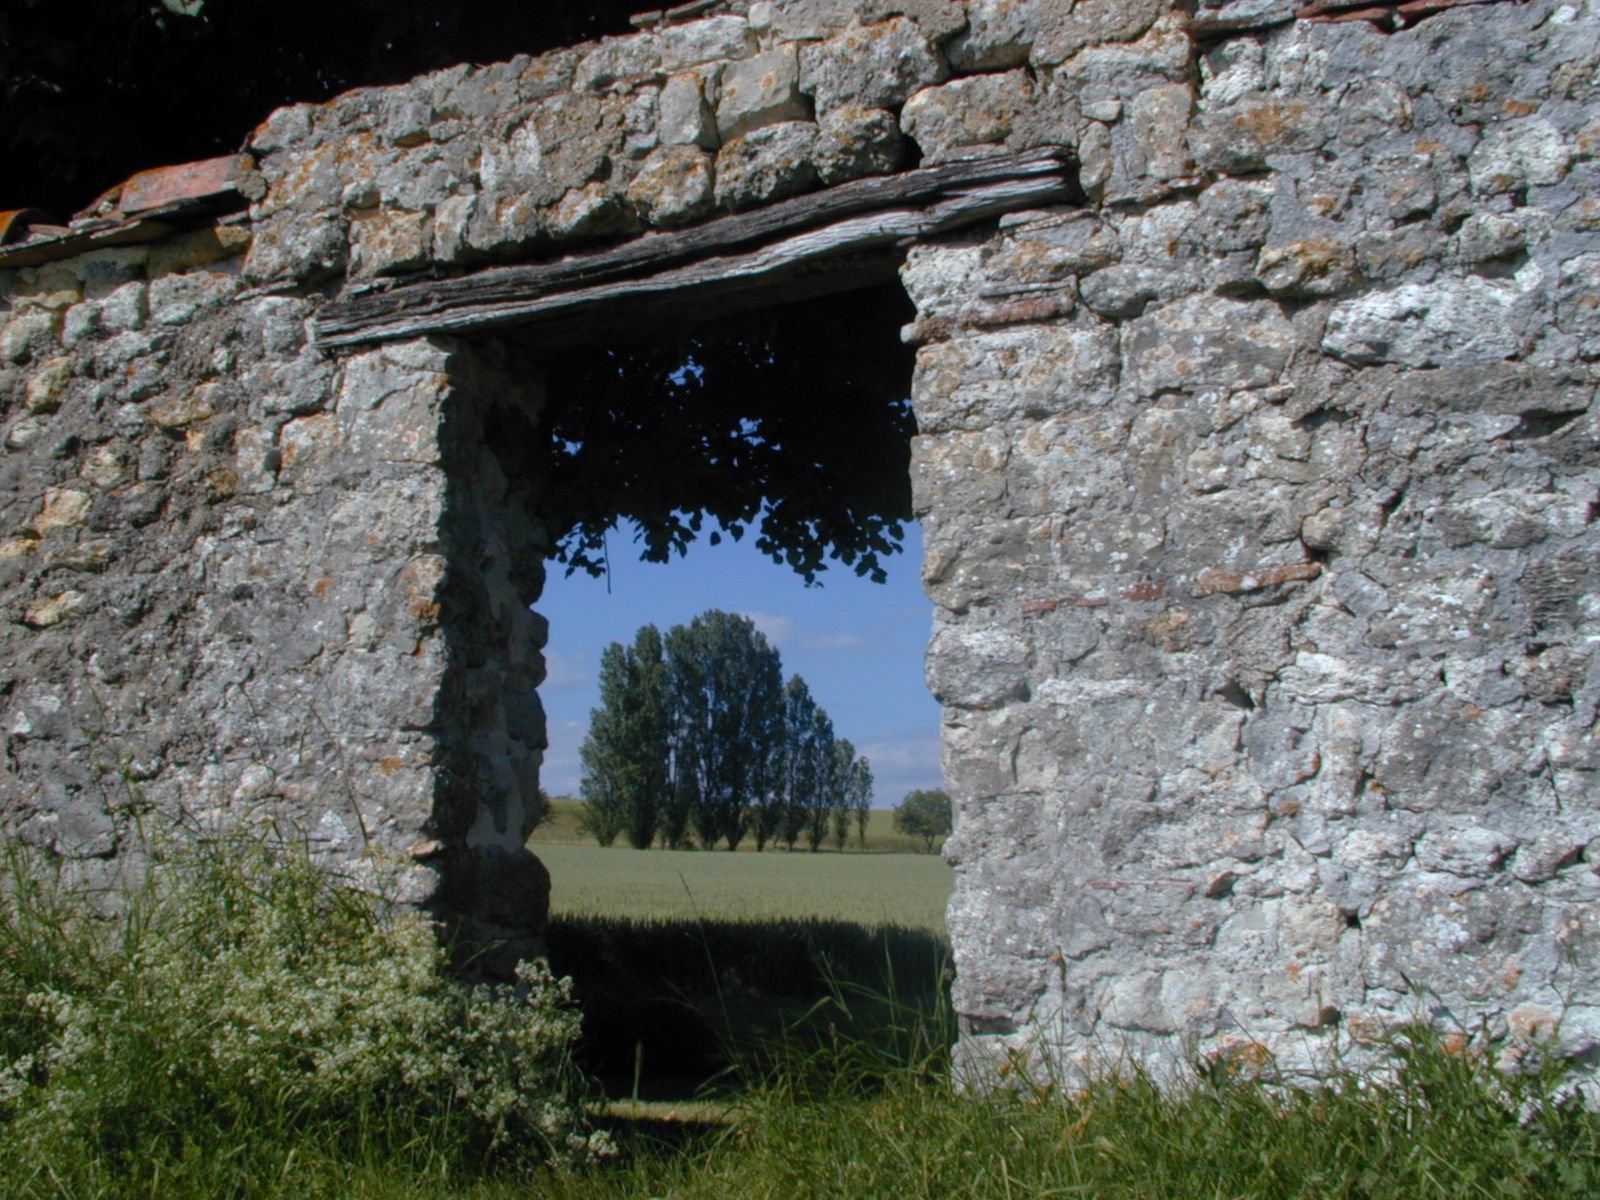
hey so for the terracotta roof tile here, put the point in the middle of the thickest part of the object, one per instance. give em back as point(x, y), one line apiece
point(210, 182)
point(150, 205)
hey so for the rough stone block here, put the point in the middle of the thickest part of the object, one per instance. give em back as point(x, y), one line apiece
point(49, 611)
point(47, 386)
point(1121, 70)
point(200, 248)
point(1484, 237)
point(62, 508)
point(763, 90)
point(490, 223)
point(1028, 373)
point(685, 118)
point(766, 164)
point(594, 210)
point(388, 241)
point(617, 60)
point(1159, 119)
point(28, 334)
point(1000, 33)
point(870, 66)
point(1525, 152)
point(713, 39)
point(186, 406)
point(1235, 214)
point(1092, 23)
point(1126, 289)
point(512, 163)
point(965, 113)
point(1578, 295)
point(296, 246)
point(853, 142)
point(1314, 267)
point(1430, 325)
point(1238, 138)
point(673, 187)
point(1201, 343)
point(639, 123)
point(451, 219)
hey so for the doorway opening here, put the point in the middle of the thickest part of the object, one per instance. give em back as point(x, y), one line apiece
point(787, 429)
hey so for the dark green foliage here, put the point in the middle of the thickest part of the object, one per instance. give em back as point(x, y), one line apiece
point(808, 765)
point(242, 1019)
point(924, 813)
point(698, 729)
point(793, 422)
point(603, 813)
point(853, 793)
point(724, 685)
point(627, 772)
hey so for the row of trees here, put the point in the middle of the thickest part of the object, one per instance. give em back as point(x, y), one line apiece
point(698, 739)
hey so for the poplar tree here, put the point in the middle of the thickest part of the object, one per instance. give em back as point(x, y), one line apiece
point(808, 765)
point(852, 797)
point(627, 775)
point(698, 731)
point(725, 692)
point(778, 819)
point(860, 796)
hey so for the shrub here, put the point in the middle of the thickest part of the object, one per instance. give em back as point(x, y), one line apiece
point(924, 814)
point(244, 1004)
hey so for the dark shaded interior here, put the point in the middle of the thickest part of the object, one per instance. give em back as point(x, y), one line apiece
point(790, 424)
point(96, 90)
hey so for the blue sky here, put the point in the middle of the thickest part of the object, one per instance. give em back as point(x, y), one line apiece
point(858, 645)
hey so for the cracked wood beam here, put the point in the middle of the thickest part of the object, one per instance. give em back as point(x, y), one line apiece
point(788, 249)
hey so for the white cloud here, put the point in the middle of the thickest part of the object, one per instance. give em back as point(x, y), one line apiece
point(902, 764)
point(561, 769)
point(565, 672)
point(779, 630)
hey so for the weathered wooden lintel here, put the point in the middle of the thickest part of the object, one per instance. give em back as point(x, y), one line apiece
point(808, 246)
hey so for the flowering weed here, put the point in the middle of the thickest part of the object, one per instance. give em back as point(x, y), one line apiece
point(242, 1011)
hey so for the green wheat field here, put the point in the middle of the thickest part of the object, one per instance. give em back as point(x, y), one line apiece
point(908, 890)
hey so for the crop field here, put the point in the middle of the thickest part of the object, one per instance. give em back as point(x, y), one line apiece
point(908, 890)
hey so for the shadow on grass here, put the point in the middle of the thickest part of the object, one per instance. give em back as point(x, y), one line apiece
point(672, 1007)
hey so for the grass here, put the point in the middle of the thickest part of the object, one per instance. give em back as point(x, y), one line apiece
point(909, 890)
point(845, 1122)
point(1444, 1127)
point(560, 827)
point(133, 1067)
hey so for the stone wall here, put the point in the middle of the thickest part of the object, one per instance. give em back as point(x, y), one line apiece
point(1266, 572)
point(1258, 494)
point(249, 585)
